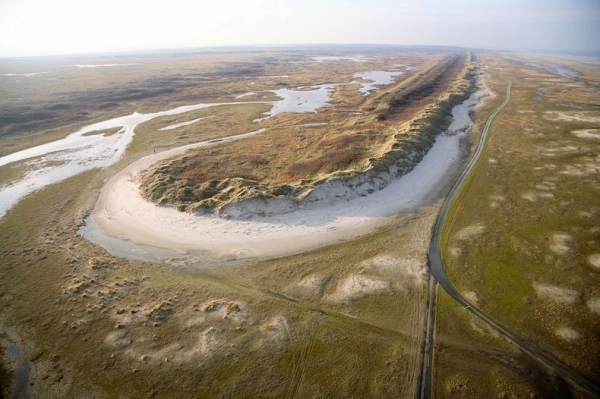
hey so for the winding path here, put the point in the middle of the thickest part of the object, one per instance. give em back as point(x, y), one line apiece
point(436, 268)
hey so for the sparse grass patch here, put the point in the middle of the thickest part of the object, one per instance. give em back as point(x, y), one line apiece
point(140, 324)
point(217, 122)
point(536, 236)
point(289, 159)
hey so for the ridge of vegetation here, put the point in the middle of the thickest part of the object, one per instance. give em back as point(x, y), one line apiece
point(400, 126)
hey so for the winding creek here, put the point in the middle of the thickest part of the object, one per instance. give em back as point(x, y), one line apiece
point(129, 226)
point(79, 152)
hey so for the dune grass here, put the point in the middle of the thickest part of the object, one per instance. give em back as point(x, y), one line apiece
point(289, 158)
point(144, 333)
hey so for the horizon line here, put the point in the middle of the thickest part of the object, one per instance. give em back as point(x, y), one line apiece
point(175, 49)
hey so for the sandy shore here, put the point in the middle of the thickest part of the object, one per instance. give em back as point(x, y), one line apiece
point(122, 213)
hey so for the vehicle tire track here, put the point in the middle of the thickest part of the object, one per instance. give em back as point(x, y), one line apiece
point(427, 343)
point(416, 341)
point(301, 364)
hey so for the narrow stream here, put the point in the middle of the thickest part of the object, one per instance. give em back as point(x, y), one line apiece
point(79, 152)
point(166, 234)
point(22, 366)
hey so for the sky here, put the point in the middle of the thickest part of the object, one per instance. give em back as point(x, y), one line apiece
point(43, 27)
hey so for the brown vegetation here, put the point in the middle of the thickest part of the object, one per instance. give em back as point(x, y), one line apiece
point(100, 326)
point(397, 128)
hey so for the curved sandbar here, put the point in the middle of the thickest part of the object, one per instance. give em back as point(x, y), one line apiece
point(122, 213)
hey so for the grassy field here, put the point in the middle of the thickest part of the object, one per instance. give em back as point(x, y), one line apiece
point(471, 360)
point(282, 327)
point(523, 235)
point(341, 321)
point(289, 158)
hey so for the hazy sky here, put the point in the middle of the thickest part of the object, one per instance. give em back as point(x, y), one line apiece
point(40, 27)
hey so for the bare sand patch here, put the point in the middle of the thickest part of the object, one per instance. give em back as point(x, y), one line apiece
point(587, 133)
point(312, 285)
point(533, 133)
point(573, 116)
point(206, 344)
point(223, 309)
point(195, 321)
point(495, 200)
point(594, 260)
point(358, 285)
point(546, 186)
point(558, 149)
point(560, 243)
point(383, 262)
point(556, 294)
point(585, 214)
point(589, 166)
point(594, 305)
point(535, 196)
point(276, 328)
point(472, 297)
point(482, 328)
point(118, 339)
point(207, 336)
point(456, 251)
point(567, 333)
point(411, 267)
point(470, 231)
point(548, 166)
point(139, 314)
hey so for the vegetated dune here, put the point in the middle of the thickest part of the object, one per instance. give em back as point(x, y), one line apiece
point(291, 168)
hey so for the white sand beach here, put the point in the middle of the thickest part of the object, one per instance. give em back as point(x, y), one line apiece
point(122, 213)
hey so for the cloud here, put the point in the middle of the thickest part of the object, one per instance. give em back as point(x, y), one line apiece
point(63, 26)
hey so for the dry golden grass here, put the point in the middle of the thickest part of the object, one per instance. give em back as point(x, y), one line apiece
point(306, 325)
point(289, 157)
point(99, 326)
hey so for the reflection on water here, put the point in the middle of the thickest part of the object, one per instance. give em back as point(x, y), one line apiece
point(377, 78)
point(127, 249)
point(22, 366)
point(553, 68)
point(301, 100)
point(79, 152)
